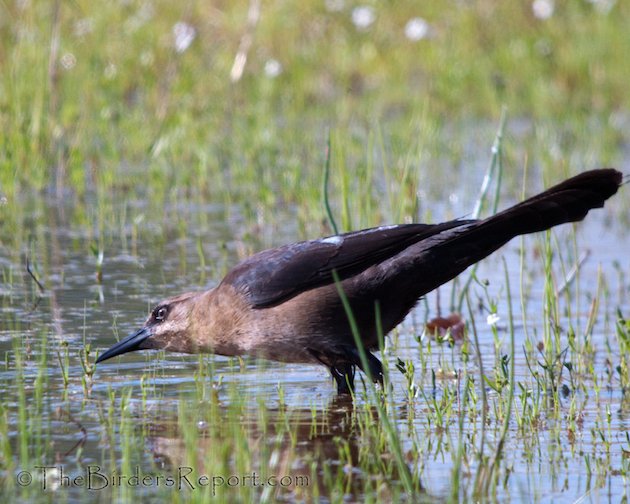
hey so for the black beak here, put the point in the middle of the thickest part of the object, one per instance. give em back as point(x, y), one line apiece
point(129, 344)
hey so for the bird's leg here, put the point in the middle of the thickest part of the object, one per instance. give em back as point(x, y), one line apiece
point(374, 365)
point(342, 372)
point(344, 377)
point(342, 366)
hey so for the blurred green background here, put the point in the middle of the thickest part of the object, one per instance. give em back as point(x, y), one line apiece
point(233, 101)
point(147, 145)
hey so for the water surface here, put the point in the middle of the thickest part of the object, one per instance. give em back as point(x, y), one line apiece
point(61, 417)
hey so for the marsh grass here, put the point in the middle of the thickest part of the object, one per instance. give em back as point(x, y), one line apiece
point(458, 406)
point(130, 169)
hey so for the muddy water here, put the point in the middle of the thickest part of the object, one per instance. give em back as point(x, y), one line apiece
point(51, 329)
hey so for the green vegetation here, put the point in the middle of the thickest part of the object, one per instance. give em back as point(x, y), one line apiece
point(146, 146)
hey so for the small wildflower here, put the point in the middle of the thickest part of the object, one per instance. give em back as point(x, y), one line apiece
point(147, 58)
point(184, 35)
point(110, 71)
point(493, 319)
point(363, 17)
point(543, 9)
point(416, 29)
point(273, 68)
point(83, 27)
point(68, 61)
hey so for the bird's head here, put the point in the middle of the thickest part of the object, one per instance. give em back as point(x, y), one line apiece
point(168, 327)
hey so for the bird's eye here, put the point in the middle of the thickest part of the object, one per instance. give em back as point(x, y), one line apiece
point(159, 314)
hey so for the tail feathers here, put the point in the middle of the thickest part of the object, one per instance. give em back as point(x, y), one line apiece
point(568, 201)
point(401, 280)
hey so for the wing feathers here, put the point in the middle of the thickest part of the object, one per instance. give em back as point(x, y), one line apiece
point(275, 275)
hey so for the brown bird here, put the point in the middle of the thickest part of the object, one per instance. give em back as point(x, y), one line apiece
point(284, 304)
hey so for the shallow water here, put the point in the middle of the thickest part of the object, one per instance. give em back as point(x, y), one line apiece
point(544, 463)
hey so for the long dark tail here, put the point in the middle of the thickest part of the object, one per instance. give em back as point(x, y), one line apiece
point(568, 201)
point(401, 280)
point(432, 262)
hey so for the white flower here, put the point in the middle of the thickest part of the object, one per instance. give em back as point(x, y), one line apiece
point(184, 35)
point(83, 26)
point(68, 60)
point(416, 29)
point(146, 58)
point(543, 9)
point(110, 71)
point(273, 68)
point(363, 17)
point(493, 319)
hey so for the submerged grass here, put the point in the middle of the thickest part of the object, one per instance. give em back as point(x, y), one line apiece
point(131, 165)
point(447, 410)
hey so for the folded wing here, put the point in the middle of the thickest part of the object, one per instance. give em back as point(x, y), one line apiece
point(275, 275)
